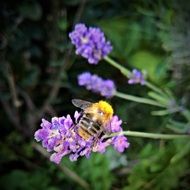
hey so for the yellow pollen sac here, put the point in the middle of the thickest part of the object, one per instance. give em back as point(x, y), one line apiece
point(105, 107)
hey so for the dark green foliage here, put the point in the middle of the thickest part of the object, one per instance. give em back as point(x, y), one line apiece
point(100, 176)
point(25, 180)
point(38, 78)
point(156, 169)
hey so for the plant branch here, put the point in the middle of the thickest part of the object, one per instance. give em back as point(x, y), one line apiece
point(67, 64)
point(148, 135)
point(11, 115)
point(12, 87)
point(138, 99)
point(64, 169)
point(127, 74)
point(122, 69)
point(154, 88)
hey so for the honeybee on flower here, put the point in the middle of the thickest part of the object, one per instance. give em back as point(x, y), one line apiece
point(94, 119)
point(83, 134)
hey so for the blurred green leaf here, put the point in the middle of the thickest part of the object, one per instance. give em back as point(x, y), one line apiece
point(36, 180)
point(31, 11)
point(151, 36)
point(152, 63)
point(31, 78)
point(178, 127)
point(100, 177)
point(62, 24)
point(154, 170)
point(162, 99)
point(124, 35)
point(161, 112)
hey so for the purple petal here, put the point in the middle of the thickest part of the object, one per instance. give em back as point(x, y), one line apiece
point(90, 43)
point(136, 77)
point(55, 123)
point(96, 84)
point(120, 143)
point(68, 122)
point(61, 138)
point(73, 157)
point(41, 134)
point(76, 116)
point(46, 124)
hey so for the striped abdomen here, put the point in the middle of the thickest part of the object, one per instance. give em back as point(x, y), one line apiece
point(88, 128)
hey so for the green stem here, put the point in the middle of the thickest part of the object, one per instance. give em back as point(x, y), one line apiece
point(181, 153)
point(154, 88)
point(127, 73)
point(123, 70)
point(186, 114)
point(149, 135)
point(138, 99)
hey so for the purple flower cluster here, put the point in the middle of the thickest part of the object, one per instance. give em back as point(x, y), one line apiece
point(90, 43)
point(60, 137)
point(96, 84)
point(136, 77)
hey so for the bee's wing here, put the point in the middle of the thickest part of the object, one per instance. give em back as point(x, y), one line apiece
point(81, 103)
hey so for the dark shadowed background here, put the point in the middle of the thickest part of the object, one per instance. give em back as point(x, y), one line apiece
point(38, 79)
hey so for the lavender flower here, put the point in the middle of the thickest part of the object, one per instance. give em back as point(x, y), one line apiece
point(96, 84)
point(90, 43)
point(120, 143)
point(115, 124)
point(60, 137)
point(136, 77)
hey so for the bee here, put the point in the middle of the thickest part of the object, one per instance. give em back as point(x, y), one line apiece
point(94, 118)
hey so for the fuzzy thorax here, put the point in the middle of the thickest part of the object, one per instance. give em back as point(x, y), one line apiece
point(105, 107)
point(100, 111)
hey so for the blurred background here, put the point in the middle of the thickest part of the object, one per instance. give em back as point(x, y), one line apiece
point(38, 79)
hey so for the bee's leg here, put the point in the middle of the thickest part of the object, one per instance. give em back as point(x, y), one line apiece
point(105, 137)
point(95, 141)
point(74, 126)
point(81, 150)
point(78, 119)
point(97, 138)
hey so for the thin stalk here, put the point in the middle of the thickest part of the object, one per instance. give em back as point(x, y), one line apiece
point(74, 176)
point(181, 154)
point(138, 99)
point(154, 88)
point(127, 73)
point(149, 135)
point(123, 70)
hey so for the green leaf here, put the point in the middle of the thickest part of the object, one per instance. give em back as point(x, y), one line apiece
point(178, 127)
point(155, 171)
point(31, 11)
point(152, 63)
point(62, 24)
point(100, 177)
point(18, 179)
point(125, 36)
point(159, 98)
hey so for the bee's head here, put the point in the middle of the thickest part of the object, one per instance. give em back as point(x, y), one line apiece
point(104, 109)
point(101, 111)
